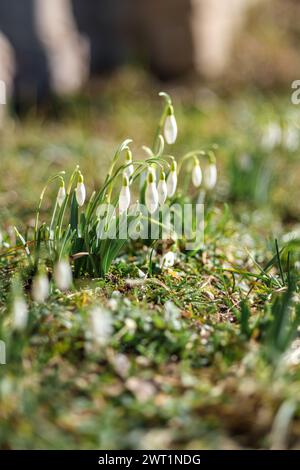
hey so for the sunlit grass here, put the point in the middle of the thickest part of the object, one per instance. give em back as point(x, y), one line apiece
point(199, 353)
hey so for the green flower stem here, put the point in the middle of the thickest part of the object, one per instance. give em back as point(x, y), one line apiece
point(50, 180)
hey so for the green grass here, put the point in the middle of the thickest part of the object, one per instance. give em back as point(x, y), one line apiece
point(199, 355)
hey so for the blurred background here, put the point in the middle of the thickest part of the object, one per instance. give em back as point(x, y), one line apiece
point(83, 75)
point(59, 46)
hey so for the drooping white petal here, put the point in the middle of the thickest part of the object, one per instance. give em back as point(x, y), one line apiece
point(210, 176)
point(170, 129)
point(124, 199)
point(162, 192)
point(151, 197)
point(80, 193)
point(168, 260)
point(171, 183)
point(19, 314)
point(62, 275)
point(197, 176)
point(61, 196)
point(100, 326)
point(40, 288)
point(272, 136)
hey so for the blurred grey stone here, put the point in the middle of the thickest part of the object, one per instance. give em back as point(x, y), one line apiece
point(17, 23)
point(48, 51)
point(215, 25)
point(67, 52)
point(7, 67)
point(55, 42)
point(106, 24)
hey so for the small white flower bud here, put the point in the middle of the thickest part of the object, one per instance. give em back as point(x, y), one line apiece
point(19, 313)
point(40, 288)
point(61, 195)
point(128, 171)
point(80, 191)
point(151, 194)
point(170, 127)
point(162, 189)
point(172, 180)
point(272, 136)
point(124, 198)
point(210, 176)
point(100, 326)
point(196, 174)
point(62, 274)
point(168, 260)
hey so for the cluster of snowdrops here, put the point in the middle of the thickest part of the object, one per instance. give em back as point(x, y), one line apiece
point(76, 241)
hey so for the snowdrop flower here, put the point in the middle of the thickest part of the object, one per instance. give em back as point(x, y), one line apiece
point(128, 160)
point(62, 274)
point(61, 195)
point(196, 173)
point(291, 139)
point(162, 189)
point(80, 191)
point(113, 304)
point(172, 315)
point(172, 179)
point(141, 274)
point(272, 136)
point(100, 326)
point(40, 288)
point(19, 313)
point(131, 325)
point(210, 176)
point(170, 127)
point(124, 198)
point(151, 195)
point(168, 260)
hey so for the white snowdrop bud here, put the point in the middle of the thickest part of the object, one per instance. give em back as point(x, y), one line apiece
point(291, 138)
point(210, 176)
point(100, 326)
point(62, 274)
point(272, 136)
point(61, 195)
point(172, 180)
point(168, 260)
point(19, 313)
point(151, 194)
point(124, 198)
point(162, 189)
point(196, 173)
point(80, 191)
point(128, 171)
point(170, 127)
point(40, 288)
